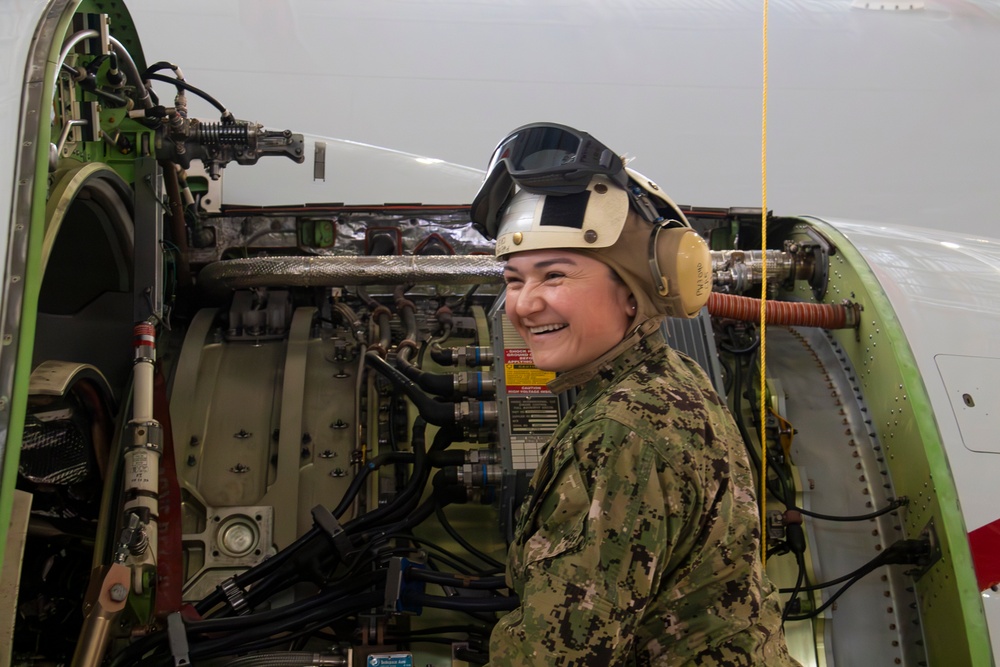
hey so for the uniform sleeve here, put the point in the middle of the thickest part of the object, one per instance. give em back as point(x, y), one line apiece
point(592, 554)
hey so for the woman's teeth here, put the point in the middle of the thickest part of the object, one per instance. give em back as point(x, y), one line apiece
point(545, 328)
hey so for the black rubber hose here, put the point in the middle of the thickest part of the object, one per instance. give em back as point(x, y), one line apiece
point(442, 356)
point(439, 384)
point(359, 479)
point(439, 414)
point(188, 87)
point(405, 500)
point(257, 572)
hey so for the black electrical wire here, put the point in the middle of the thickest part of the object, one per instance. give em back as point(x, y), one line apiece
point(460, 603)
point(405, 499)
point(858, 576)
point(727, 375)
point(347, 598)
point(275, 618)
point(462, 299)
point(877, 561)
point(275, 574)
point(443, 520)
point(475, 630)
point(891, 507)
point(754, 344)
point(159, 66)
point(191, 89)
point(905, 551)
point(457, 581)
point(457, 563)
point(737, 410)
point(257, 572)
point(799, 581)
point(309, 623)
point(364, 472)
point(826, 584)
point(402, 504)
point(472, 657)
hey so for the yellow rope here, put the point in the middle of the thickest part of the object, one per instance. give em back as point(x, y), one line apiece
point(763, 309)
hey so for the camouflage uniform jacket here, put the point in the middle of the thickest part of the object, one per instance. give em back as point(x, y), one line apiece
point(638, 542)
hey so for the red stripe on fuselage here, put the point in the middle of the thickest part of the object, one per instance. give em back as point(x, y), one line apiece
point(985, 544)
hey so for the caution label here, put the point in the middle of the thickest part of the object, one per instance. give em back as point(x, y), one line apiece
point(520, 374)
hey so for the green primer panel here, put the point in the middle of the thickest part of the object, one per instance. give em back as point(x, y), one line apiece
point(902, 419)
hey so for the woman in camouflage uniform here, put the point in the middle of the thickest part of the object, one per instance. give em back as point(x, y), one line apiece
point(638, 542)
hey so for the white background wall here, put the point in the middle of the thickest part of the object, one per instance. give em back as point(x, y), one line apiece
point(876, 115)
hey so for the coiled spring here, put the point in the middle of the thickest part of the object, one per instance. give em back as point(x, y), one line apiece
point(233, 134)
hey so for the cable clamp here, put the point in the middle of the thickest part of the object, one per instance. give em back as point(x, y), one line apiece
point(328, 523)
point(177, 636)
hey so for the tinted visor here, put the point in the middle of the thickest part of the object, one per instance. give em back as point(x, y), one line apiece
point(543, 158)
point(554, 159)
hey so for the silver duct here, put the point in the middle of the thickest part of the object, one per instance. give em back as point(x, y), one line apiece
point(733, 271)
point(327, 271)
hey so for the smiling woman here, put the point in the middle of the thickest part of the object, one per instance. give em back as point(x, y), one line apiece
point(638, 541)
point(569, 308)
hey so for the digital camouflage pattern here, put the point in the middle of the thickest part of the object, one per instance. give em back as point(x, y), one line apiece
point(638, 542)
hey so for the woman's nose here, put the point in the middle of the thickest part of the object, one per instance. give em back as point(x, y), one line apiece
point(527, 301)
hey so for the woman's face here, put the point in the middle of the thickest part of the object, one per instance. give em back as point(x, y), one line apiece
point(569, 308)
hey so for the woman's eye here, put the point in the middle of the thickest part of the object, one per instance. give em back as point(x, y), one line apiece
point(553, 275)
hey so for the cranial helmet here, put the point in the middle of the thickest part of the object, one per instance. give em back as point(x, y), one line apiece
point(589, 205)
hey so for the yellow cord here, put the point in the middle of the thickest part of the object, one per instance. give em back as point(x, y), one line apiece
point(763, 309)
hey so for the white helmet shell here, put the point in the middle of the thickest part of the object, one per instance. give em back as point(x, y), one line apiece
point(590, 219)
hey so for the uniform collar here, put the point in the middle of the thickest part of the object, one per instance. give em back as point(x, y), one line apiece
point(637, 344)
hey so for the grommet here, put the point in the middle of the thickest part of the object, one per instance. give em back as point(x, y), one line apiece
point(590, 236)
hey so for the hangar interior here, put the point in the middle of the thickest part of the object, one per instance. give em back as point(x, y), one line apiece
point(298, 434)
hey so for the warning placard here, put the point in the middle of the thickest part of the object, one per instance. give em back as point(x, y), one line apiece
point(520, 374)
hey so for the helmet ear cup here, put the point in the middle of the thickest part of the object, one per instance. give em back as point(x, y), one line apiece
point(681, 264)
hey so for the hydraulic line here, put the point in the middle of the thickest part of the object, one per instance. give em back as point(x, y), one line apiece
point(439, 414)
point(181, 84)
point(788, 313)
point(132, 73)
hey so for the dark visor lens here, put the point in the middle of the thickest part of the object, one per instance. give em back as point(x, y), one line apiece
point(544, 158)
point(543, 148)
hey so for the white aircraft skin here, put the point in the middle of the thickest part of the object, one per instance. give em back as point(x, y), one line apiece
point(874, 114)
